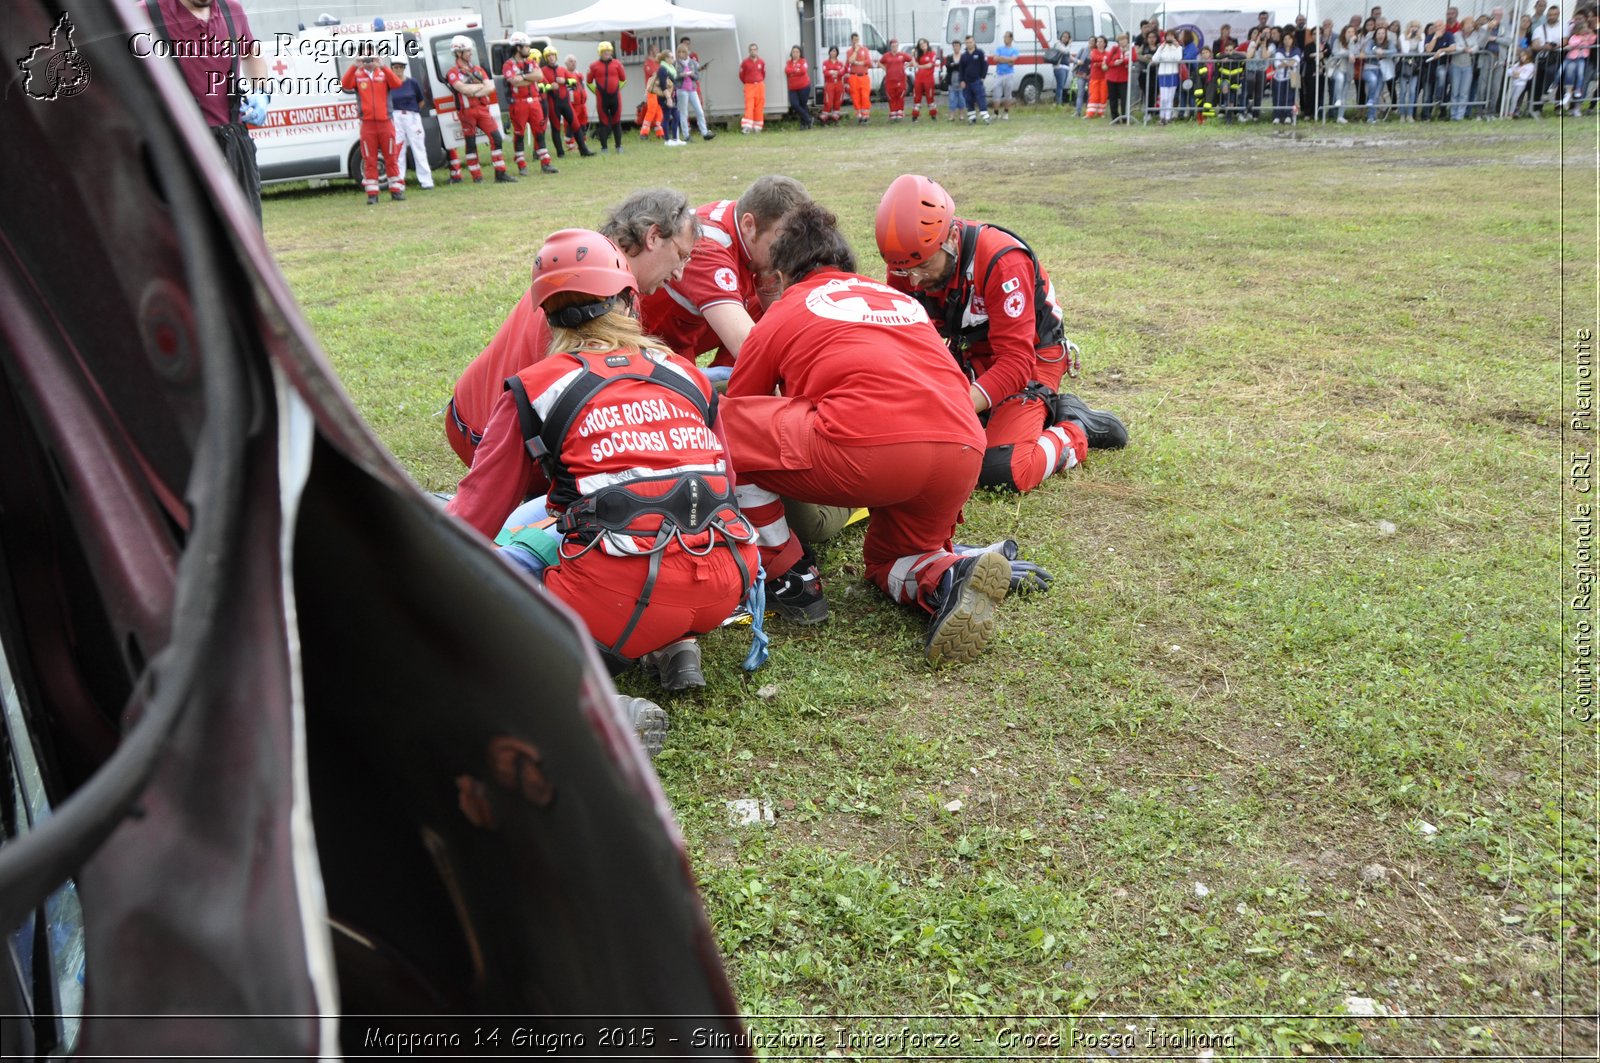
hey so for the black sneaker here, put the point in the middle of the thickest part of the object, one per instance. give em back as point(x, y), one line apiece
point(797, 594)
point(455, 178)
point(545, 167)
point(1104, 428)
point(398, 197)
point(648, 720)
point(964, 619)
point(676, 666)
point(372, 200)
point(708, 135)
point(503, 178)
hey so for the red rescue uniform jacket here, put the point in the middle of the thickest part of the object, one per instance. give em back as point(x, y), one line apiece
point(720, 272)
point(859, 60)
point(753, 71)
point(894, 68)
point(798, 73)
point(524, 338)
point(372, 90)
point(627, 426)
point(521, 68)
point(832, 72)
point(459, 75)
point(555, 79)
point(927, 66)
point(857, 349)
point(1007, 355)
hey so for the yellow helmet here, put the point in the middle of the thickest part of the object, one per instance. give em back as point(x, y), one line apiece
point(550, 51)
point(605, 46)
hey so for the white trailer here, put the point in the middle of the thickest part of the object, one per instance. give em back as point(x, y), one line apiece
point(721, 31)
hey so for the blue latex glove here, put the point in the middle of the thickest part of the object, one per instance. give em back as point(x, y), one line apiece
point(253, 111)
point(1027, 577)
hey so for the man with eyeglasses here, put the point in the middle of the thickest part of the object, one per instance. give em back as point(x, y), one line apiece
point(656, 230)
point(993, 303)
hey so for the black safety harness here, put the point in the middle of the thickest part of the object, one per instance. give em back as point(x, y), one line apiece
point(1047, 329)
point(689, 506)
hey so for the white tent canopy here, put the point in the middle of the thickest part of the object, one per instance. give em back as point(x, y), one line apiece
point(606, 18)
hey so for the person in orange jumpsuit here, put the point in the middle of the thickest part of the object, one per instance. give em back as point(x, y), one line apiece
point(832, 87)
point(652, 120)
point(624, 435)
point(371, 84)
point(753, 75)
point(926, 64)
point(995, 306)
point(858, 61)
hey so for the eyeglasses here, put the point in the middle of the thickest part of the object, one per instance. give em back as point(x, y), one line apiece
point(919, 272)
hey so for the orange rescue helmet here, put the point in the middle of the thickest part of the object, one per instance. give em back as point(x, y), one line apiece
point(914, 217)
point(580, 260)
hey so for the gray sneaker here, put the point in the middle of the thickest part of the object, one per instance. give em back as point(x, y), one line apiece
point(648, 720)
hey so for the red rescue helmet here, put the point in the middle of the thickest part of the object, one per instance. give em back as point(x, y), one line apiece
point(580, 260)
point(914, 218)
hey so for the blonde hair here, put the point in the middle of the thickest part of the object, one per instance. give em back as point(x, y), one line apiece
point(616, 329)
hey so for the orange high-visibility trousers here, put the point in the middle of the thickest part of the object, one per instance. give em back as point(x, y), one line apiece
point(755, 107)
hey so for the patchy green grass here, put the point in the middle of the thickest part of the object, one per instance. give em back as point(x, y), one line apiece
point(1311, 613)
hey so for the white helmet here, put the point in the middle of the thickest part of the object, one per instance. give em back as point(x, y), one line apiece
point(459, 43)
point(519, 39)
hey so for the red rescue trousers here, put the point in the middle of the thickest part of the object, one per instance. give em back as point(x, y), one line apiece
point(896, 91)
point(833, 97)
point(1021, 452)
point(378, 136)
point(691, 595)
point(915, 490)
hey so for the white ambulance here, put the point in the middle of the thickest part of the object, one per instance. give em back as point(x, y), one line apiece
point(1033, 27)
point(312, 127)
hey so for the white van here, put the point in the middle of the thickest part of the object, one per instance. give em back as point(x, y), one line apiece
point(1034, 28)
point(313, 129)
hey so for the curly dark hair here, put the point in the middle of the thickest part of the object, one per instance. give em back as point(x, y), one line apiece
point(810, 240)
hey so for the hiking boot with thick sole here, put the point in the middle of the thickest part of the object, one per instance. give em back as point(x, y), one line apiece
point(648, 720)
point(1104, 429)
point(398, 197)
point(545, 167)
point(503, 178)
point(797, 594)
point(964, 619)
point(676, 666)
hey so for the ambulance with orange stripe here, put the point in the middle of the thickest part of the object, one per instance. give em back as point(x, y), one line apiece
point(312, 128)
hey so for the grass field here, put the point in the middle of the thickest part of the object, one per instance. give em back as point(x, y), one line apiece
point(1288, 727)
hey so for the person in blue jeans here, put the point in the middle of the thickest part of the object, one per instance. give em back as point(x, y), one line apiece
point(1378, 53)
point(952, 73)
point(1060, 58)
point(973, 68)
